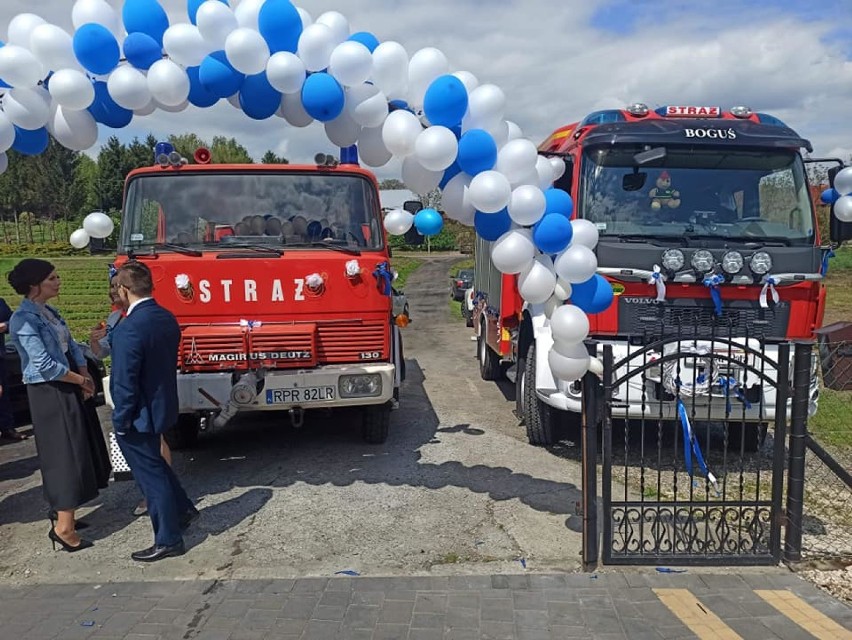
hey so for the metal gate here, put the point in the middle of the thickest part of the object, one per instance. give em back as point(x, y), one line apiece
point(694, 429)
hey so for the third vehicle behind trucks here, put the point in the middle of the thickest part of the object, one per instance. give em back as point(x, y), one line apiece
point(704, 198)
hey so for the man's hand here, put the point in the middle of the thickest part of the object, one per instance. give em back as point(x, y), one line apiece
point(4, 327)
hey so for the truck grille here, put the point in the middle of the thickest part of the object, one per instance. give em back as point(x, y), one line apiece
point(340, 343)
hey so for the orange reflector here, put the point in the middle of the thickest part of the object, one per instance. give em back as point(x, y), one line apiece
point(402, 320)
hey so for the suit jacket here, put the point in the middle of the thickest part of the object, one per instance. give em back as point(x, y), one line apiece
point(143, 377)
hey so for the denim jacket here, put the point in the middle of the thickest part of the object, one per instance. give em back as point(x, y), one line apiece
point(42, 359)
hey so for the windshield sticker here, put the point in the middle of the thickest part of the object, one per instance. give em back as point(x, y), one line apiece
point(137, 237)
point(715, 134)
point(601, 226)
point(617, 288)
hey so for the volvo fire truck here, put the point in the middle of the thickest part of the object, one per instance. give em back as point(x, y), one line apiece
point(280, 279)
point(706, 225)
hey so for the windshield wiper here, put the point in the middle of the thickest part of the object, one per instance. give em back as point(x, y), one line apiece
point(327, 245)
point(177, 248)
point(260, 248)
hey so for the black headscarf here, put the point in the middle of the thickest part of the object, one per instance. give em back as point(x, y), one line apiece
point(29, 272)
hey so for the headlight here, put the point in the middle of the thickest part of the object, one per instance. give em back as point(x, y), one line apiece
point(673, 259)
point(702, 261)
point(361, 386)
point(761, 263)
point(732, 262)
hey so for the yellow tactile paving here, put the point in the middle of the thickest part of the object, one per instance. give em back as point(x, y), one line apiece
point(700, 620)
point(814, 622)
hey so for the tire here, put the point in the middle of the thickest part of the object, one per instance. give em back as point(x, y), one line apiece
point(184, 435)
point(376, 423)
point(755, 436)
point(489, 362)
point(539, 418)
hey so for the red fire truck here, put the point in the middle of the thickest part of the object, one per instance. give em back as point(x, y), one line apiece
point(687, 200)
point(280, 278)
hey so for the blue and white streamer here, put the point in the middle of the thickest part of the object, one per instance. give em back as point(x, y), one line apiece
point(659, 280)
point(691, 446)
point(712, 282)
point(769, 288)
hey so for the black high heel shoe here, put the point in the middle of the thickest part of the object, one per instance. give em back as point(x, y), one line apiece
point(79, 525)
point(54, 537)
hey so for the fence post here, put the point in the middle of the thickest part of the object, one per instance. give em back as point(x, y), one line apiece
point(591, 419)
point(798, 431)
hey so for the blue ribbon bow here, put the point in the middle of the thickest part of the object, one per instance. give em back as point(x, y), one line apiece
point(731, 384)
point(712, 283)
point(826, 256)
point(383, 278)
point(112, 271)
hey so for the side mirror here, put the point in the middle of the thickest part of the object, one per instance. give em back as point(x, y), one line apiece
point(633, 181)
point(412, 236)
point(566, 182)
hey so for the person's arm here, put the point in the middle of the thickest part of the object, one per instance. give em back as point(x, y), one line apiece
point(5, 315)
point(127, 356)
point(27, 335)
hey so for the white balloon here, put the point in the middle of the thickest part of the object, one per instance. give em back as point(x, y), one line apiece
point(569, 325)
point(234, 101)
point(455, 200)
point(418, 178)
point(558, 165)
point(372, 149)
point(367, 105)
point(425, 66)
point(72, 89)
point(390, 69)
point(568, 362)
point(286, 72)
point(27, 108)
point(215, 21)
point(53, 47)
point(21, 28)
point(468, 80)
point(19, 67)
point(97, 12)
point(98, 224)
point(168, 82)
point(527, 204)
point(247, 13)
point(843, 181)
point(306, 18)
point(843, 208)
point(490, 191)
point(516, 159)
point(4, 163)
point(515, 131)
point(129, 88)
point(7, 133)
point(169, 108)
point(315, 46)
point(537, 281)
point(544, 172)
point(79, 239)
point(343, 131)
point(247, 51)
point(75, 130)
point(147, 110)
point(486, 105)
point(398, 221)
point(436, 148)
point(351, 63)
point(585, 233)
point(294, 111)
point(338, 24)
point(500, 132)
point(514, 251)
point(551, 305)
point(185, 45)
point(563, 289)
point(576, 264)
point(400, 132)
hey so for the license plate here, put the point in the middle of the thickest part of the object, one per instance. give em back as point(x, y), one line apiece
point(300, 395)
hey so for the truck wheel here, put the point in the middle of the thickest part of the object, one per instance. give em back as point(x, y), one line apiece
point(540, 419)
point(376, 422)
point(755, 436)
point(184, 434)
point(489, 362)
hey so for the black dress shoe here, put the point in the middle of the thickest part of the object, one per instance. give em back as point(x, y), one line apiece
point(188, 517)
point(158, 552)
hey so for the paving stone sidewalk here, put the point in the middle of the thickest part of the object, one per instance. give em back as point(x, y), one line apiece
point(603, 606)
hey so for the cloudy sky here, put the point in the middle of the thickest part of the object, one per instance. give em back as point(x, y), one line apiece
point(556, 61)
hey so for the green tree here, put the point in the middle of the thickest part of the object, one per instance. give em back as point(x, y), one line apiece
point(390, 184)
point(229, 151)
point(270, 158)
point(187, 144)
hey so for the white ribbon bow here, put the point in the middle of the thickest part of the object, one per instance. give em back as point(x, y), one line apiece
point(251, 324)
point(768, 287)
point(657, 278)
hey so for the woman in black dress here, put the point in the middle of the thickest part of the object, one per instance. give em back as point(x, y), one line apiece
point(71, 449)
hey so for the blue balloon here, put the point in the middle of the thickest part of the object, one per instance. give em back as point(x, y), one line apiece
point(280, 25)
point(446, 101)
point(259, 99)
point(829, 196)
point(592, 296)
point(490, 226)
point(145, 16)
point(218, 77)
point(31, 143)
point(322, 97)
point(449, 173)
point(141, 50)
point(393, 105)
point(477, 152)
point(553, 233)
point(96, 48)
point(198, 95)
point(366, 38)
point(558, 201)
point(192, 9)
point(428, 222)
point(106, 111)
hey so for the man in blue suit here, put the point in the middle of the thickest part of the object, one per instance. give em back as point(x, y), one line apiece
point(143, 385)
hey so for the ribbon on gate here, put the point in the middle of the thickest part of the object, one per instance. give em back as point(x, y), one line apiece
point(659, 280)
point(826, 256)
point(731, 384)
point(712, 282)
point(768, 288)
point(384, 277)
point(691, 446)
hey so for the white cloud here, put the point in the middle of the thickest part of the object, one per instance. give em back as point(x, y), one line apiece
point(555, 68)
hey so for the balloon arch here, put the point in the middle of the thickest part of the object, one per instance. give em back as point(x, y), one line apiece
point(270, 58)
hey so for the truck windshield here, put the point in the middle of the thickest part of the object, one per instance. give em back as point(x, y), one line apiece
point(689, 192)
point(215, 210)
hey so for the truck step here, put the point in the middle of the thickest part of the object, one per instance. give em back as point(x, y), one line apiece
point(512, 373)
